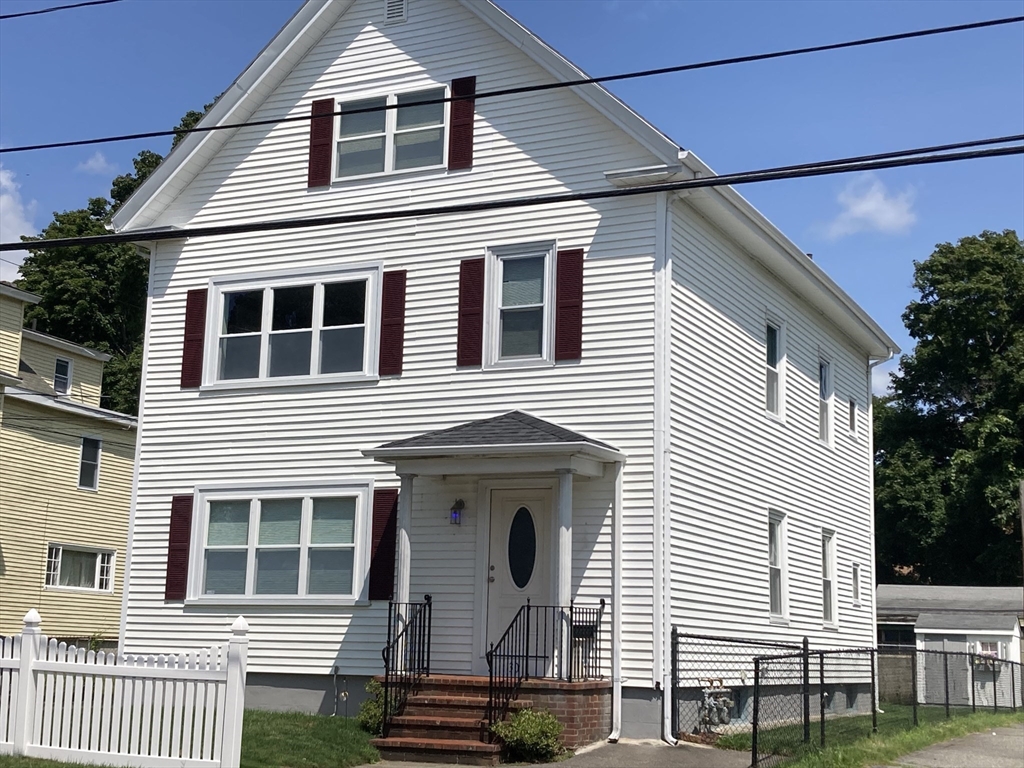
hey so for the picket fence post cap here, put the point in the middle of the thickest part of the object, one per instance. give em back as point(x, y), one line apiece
point(32, 618)
point(241, 626)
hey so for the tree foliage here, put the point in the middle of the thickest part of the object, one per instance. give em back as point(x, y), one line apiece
point(950, 438)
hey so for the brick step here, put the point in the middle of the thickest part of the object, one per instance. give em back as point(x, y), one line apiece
point(438, 750)
point(451, 685)
point(432, 726)
point(434, 705)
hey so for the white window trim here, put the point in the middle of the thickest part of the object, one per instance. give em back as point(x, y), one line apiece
point(83, 548)
point(71, 374)
point(857, 587)
point(218, 286)
point(390, 128)
point(492, 305)
point(99, 462)
point(360, 487)
point(775, 319)
point(774, 516)
point(831, 554)
point(829, 400)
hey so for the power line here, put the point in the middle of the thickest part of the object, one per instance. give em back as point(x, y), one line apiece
point(539, 87)
point(825, 168)
point(55, 8)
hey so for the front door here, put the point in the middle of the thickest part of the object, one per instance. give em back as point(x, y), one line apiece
point(519, 565)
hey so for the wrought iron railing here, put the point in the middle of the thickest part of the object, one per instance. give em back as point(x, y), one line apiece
point(406, 655)
point(544, 641)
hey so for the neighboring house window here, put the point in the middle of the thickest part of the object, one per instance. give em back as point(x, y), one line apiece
point(853, 417)
point(773, 390)
point(776, 564)
point(855, 575)
point(284, 544)
point(405, 138)
point(62, 376)
point(287, 330)
point(824, 401)
point(828, 581)
point(521, 312)
point(988, 649)
point(897, 635)
point(89, 466)
point(79, 568)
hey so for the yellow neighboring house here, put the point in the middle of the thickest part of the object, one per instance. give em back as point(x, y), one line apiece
point(65, 483)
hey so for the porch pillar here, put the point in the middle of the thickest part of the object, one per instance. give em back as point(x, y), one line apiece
point(564, 569)
point(403, 551)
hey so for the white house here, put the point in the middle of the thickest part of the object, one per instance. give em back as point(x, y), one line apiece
point(655, 401)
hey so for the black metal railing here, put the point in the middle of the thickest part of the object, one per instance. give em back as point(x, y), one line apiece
point(544, 641)
point(406, 655)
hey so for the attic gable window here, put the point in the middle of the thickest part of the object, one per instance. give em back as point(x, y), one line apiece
point(409, 137)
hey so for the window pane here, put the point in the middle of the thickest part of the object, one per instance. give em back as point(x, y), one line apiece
point(773, 543)
point(521, 332)
point(853, 416)
point(77, 569)
point(61, 377)
point(341, 350)
point(90, 449)
point(243, 312)
point(229, 524)
point(361, 156)
point(827, 600)
point(823, 420)
point(334, 521)
point(775, 589)
point(239, 357)
point(330, 572)
point(280, 520)
point(277, 572)
point(427, 114)
point(293, 308)
point(522, 281)
point(772, 391)
point(366, 122)
point(225, 572)
point(345, 303)
point(823, 380)
point(772, 344)
point(289, 353)
point(87, 475)
point(419, 149)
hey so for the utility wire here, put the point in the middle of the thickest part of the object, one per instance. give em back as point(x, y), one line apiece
point(537, 88)
point(54, 9)
point(825, 168)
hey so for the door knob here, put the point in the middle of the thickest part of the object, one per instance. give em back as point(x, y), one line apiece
point(490, 579)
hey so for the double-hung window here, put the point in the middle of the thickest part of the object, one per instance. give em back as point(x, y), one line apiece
point(286, 543)
point(62, 376)
point(855, 578)
point(824, 401)
point(89, 464)
point(773, 384)
point(828, 579)
point(396, 132)
point(521, 300)
point(79, 568)
point(288, 330)
point(776, 565)
point(852, 418)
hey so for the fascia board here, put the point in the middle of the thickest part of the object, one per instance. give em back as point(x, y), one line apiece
point(588, 450)
point(784, 258)
point(186, 160)
point(16, 293)
point(620, 114)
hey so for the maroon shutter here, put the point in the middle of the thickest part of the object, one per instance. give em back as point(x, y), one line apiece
point(321, 141)
point(392, 323)
point(471, 312)
point(195, 337)
point(177, 548)
point(460, 134)
point(569, 305)
point(382, 552)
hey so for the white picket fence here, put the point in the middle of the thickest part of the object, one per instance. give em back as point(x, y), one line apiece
point(66, 703)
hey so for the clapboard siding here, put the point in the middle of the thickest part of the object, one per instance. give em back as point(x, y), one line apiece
point(11, 313)
point(731, 463)
point(86, 373)
point(190, 438)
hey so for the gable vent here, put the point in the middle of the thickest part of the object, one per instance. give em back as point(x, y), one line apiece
point(395, 11)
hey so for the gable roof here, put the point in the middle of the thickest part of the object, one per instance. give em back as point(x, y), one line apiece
point(910, 600)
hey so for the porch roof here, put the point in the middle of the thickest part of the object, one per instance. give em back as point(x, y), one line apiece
point(511, 435)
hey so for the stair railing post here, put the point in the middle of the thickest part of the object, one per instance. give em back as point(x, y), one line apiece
point(430, 627)
point(526, 658)
point(568, 640)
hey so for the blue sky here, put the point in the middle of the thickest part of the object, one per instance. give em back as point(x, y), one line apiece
point(139, 65)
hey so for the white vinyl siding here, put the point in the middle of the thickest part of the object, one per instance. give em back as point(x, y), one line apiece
point(89, 464)
point(70, 567)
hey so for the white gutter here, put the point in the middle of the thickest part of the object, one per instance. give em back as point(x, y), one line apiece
point(617, 607)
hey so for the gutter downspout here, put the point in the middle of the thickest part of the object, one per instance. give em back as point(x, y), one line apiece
point(617, 607)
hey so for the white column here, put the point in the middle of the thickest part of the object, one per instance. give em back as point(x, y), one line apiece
point(564, 574)
point(404, 551)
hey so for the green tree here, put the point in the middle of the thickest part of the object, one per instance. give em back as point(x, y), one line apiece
point(950, 439)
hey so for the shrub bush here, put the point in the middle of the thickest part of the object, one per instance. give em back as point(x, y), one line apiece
point(371, 713)
point(531, 736)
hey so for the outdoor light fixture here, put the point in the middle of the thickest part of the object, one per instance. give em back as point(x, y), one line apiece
point(457, 507)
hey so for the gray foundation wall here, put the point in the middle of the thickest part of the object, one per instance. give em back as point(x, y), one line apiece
point(312, 694)
point(641, 713)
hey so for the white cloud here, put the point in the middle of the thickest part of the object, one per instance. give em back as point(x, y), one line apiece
point(97, 164)
point(880, 381)
point(867, 206)
point(15, 221)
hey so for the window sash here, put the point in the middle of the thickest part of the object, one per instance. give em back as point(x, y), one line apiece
point(776, 561)
point(828, 608)
point(89, 466)
point(60, 569)
point(856, 583)
point(773, 366)
point(853, 417)
point(62, 380)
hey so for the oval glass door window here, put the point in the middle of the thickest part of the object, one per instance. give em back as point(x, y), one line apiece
point(522, 547)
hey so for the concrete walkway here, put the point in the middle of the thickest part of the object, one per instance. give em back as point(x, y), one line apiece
point(1001, 748)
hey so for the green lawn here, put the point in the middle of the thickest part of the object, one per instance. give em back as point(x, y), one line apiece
point(280, 740)
point(849, 742)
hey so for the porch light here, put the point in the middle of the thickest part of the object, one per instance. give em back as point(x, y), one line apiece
point(456, 512)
